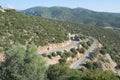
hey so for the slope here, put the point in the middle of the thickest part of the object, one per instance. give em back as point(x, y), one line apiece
point(109, 38)
point(21, 28)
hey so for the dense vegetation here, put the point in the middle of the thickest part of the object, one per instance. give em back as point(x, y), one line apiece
point(22, 63)
point(62, 72)
point(18, 27)
point(77, 15)
point(109, 38)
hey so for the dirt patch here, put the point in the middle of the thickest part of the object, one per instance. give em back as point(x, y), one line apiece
point(100, 46)
point(54, 60)
point(71, 60)
point(53, 46)
point(109, 64)
point(2, 56)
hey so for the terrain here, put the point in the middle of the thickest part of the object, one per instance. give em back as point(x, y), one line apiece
point(20, 28)
point(78, 64)
point(76, 15)
point(21, 35)
point(110, 39)
point(16, 27)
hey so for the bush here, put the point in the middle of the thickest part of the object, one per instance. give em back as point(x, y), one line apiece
point(103, 51)
point(93, 65)
point(118, 66)
point(73, 55)
point(82, 50)
point(53, 54)
point(62, 72)
point(57, 72)
point(82, 37)
point(89, 43)
point(67, 54)
point(73, 50)
point(50, 56)
point(22, 64)
point(62, 60)
point(44, 55)
point(59, 53)
point(84, 45)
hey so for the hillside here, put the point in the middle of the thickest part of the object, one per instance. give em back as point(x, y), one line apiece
point(109, 38)
point(16, 27)
point(77, 15)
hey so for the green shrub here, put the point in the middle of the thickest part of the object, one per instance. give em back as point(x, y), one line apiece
point(62, 60)
point(59, 53)
point(84, 45)
point(22, 63)
point(63, 72)
point(89, 43)
point(67, 54)
point(44, 55)
point(73, 55)
point(50, 56)
point(93, 65)
point(73, 50)
point(53, 54)
point(81, 50)
point(103, 51)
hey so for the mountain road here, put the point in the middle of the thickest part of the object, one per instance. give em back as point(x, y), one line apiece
point(78, 64)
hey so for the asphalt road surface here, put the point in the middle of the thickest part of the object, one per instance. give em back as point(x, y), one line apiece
point(78, 64)
point(71, 45)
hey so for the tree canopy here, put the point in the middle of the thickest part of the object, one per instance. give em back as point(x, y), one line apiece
point(22, 63)
point(62, 72)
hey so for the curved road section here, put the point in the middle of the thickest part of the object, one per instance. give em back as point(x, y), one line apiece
point(78, 64)
point(71, 45)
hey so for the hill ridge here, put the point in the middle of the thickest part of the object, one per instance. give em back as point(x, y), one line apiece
point(76, 15)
